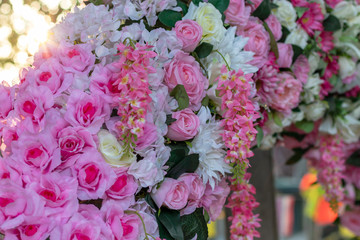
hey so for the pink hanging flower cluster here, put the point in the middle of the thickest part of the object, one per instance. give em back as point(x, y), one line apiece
point(331, 167)
point(239, 116)
point(133, 95)
point(242, 202)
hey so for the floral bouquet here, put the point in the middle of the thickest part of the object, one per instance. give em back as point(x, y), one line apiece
point(127, 123)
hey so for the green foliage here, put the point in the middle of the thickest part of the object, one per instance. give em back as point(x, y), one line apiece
point(169, 224)
point(306, 126)
point(183, 6)
point(273, 43)
point(300, 11)
point(331, 24)
point(298, 153)
point(188, 164)
point(220, 5)
point(297, 52)
point(179, 93)
point(194, 224)
point(169, 17)
point(196, 2)
point(259, 136)
point(354, 159)
point(169, 119)
point(204, 49)
point(263, 10)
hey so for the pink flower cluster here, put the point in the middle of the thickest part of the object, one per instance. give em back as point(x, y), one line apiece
point(133, 88)
point(239, 116)
point(331, 167)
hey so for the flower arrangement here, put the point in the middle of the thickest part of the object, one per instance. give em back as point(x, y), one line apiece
point(137, 118)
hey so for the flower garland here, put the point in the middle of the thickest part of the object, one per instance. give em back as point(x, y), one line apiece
point(239, 115)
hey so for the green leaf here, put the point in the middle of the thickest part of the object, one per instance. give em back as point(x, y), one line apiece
point(331, 24)
point(194, 224)
point(205, 101)
point(259, 136)
point(179, 93)
point(196, 2)
point(169, 17)
point(354, 159)
point(150, 201)
point(183, 6)
point(306, 126)
point(95, 2)
point(179, 145)
point(298, 153)
point(171, 221)
point(273, 43)
point(285, 33)
point(300, 11)
point(273, 5)
point(204, 49)
point(188, 164)
point(263, 10)
point(297, 52)
point(176, 156)
point(276, 118)
point(220, 5)
point(169, 119)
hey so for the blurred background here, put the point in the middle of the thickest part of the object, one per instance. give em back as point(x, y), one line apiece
point(285, 212)
point(23, 27)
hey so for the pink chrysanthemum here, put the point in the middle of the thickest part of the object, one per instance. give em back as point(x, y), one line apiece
point(312, 19)
point(325, 40)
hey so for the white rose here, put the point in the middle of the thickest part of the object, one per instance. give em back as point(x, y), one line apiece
point(314, 111)
point(349, 128)
point(311, 88)
point(210, 19)
point(113, 152)
point(298, 37)
point(314, 60)
point(267, 142)
point(345, 10)
point(347, 67)
point(285, 13)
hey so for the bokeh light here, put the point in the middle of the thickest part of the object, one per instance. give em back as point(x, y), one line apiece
point(24, 25)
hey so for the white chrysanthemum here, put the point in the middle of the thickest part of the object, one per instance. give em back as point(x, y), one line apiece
point(210, 146)
point(137, 9)
point(92, 24)
point(312, 88)
point(231, 48)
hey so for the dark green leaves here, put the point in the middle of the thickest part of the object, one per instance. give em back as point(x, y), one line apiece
point(263, 10)
point(259, 136)
point(179, 93)
point(170, 219)
point(176, 156)
point(354, 159)
point(169, 17)
point(194, 224)
point(297, 51)
point(188, 164)
point(300, 11)
point(298, 153)
point(331, 24)
point(183, 6)
point(169, 119)
point(306, 126)
point(220, 5)
point(273, 43)
point(196, 2)
point(204, 49)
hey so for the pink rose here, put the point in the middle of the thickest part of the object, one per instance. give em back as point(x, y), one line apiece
point(196, 188)
point(85, 110)
point(172, 194)
point(214, 199)
point(33, 228)
point(52, 75)
point(76, 58)
point(185, 127)
point(351, 220)
point(237, 13)
point(6, 99)
point(39, 152)
point(149, 137)
point(285, 55)
point(184, 70)
point(123, 189)
point(74, 140)
point(123, 226)
point(31, 104)
point(287, 94)
point(94, 175)
point(16, 204)
point(189, 32)
point(259, 41)
point(301, 68)
point(274, 26)
point(59, 194)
